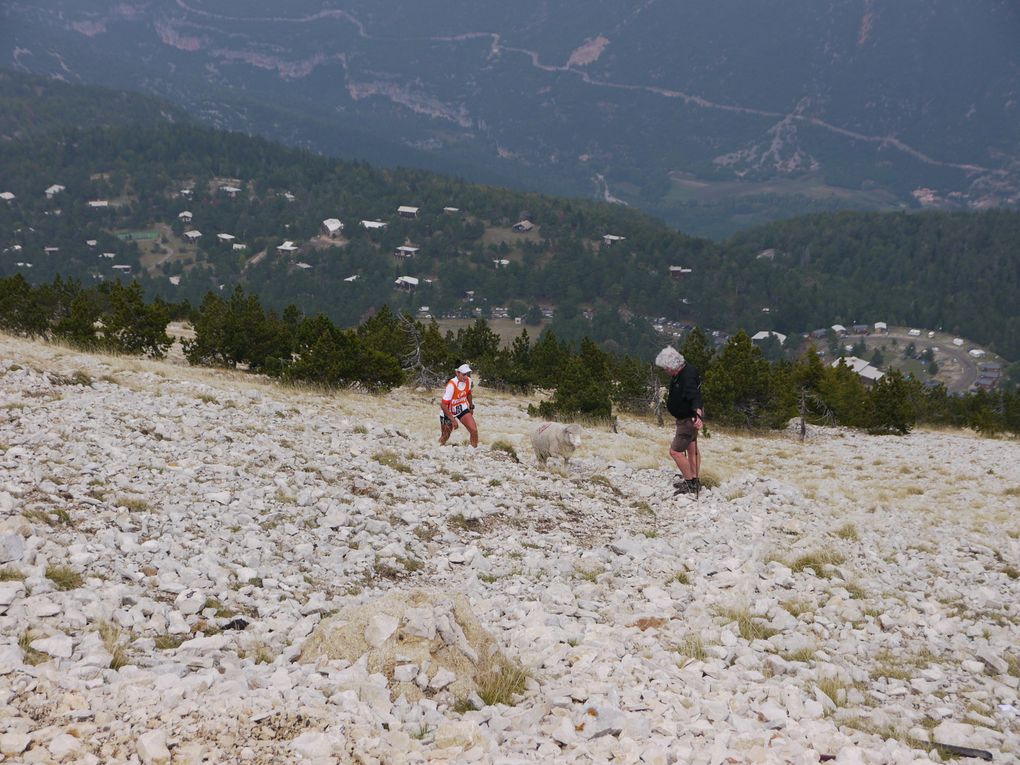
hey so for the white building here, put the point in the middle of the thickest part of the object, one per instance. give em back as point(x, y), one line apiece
point(406, 211)
point(332, 227)
point(287, 248)
point(53, 190)
point(372, 224)
point(193, 236)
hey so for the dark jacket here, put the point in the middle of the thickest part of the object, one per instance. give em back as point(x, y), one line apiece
point(684, 397)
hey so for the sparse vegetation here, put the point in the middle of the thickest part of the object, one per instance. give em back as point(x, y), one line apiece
point(463, 704)
point(64, 577)
point(692, 647)
point(834, 689)
point(392, 460)
point(749, 628)
point(115, 645)
point(169, 642)
point(506, 448)
point(848, 531)
point(11, 574)
point(135, 504)
point(500, 682)
point(32, 656)
point(589, 574)
point(801, 654)
point(601, 480)
point(680, 577)
point(817, 562)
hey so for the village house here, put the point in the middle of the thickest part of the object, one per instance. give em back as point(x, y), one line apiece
point(766, 334)
point(861, 329)
point(869, 375)
point(238, 246)
point(226, 237)
point(53, 190)
point(99, 204)
point(7, 196)
point(451, 210)
point(193, 236)
point(500, 263)
point(230, 191)
point(51, 250)
point(175, 280)
point(186, 193)
point(372, 225)
point(184, 216)
point(679, 272)
point(288, 196)
point(332, 227)
point(523, 226)
point(91, 242)
point(406, 283)
point(406, 251)
point(124, 268)
point(302, 265)
point(109, 255)
point(914, 332)
point(839, 329)
point(353, 278)
point(287, 248)
point(610, 239)
point(406, 211)
point(881, 328)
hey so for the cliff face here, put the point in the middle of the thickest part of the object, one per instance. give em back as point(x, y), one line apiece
point(171, 538)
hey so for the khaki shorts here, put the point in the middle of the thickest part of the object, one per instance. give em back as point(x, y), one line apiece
point(685, 434)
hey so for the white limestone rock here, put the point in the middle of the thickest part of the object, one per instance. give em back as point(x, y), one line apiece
point(152, 749)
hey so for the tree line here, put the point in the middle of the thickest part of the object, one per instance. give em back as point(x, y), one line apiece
point(741, 387)
point(958, 272)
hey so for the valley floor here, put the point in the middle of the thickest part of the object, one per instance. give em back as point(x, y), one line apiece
point(172, 538)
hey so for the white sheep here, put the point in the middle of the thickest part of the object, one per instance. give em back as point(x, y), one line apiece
point(552, 439)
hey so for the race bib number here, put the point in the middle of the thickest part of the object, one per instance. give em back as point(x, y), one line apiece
point(460, 408)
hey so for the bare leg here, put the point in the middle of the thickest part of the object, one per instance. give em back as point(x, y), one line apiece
point(447, 430)
point(683, 464)
point(694, 458)
point(468, 421)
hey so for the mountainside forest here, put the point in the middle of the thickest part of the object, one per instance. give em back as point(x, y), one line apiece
point(248, 198)
point(716, 117)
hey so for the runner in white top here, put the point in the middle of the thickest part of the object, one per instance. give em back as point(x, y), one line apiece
point(458, 406)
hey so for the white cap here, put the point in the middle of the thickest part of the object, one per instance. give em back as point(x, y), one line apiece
point(464, 369)
point(669, 358)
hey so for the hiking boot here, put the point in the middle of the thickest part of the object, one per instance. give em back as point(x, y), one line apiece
point(678, 480)
point(684, 487)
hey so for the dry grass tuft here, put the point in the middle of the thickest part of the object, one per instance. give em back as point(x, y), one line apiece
point(692, 647)
point(499, 683)
point(392, 460)
point(64, 577)
point(32, 656)
point(747, 626)
point(848, 531)
point(11, 574)
point(816, 561)
point(505, 447)
point(115, 645)
point(169, 642)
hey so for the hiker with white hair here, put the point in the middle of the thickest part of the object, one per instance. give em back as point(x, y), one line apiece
point(458, 406)
point(684, 402)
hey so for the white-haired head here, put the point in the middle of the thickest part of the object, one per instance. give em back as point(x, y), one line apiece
point(670, 358)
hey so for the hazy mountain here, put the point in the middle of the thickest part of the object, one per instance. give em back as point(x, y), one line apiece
point(716, 116)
